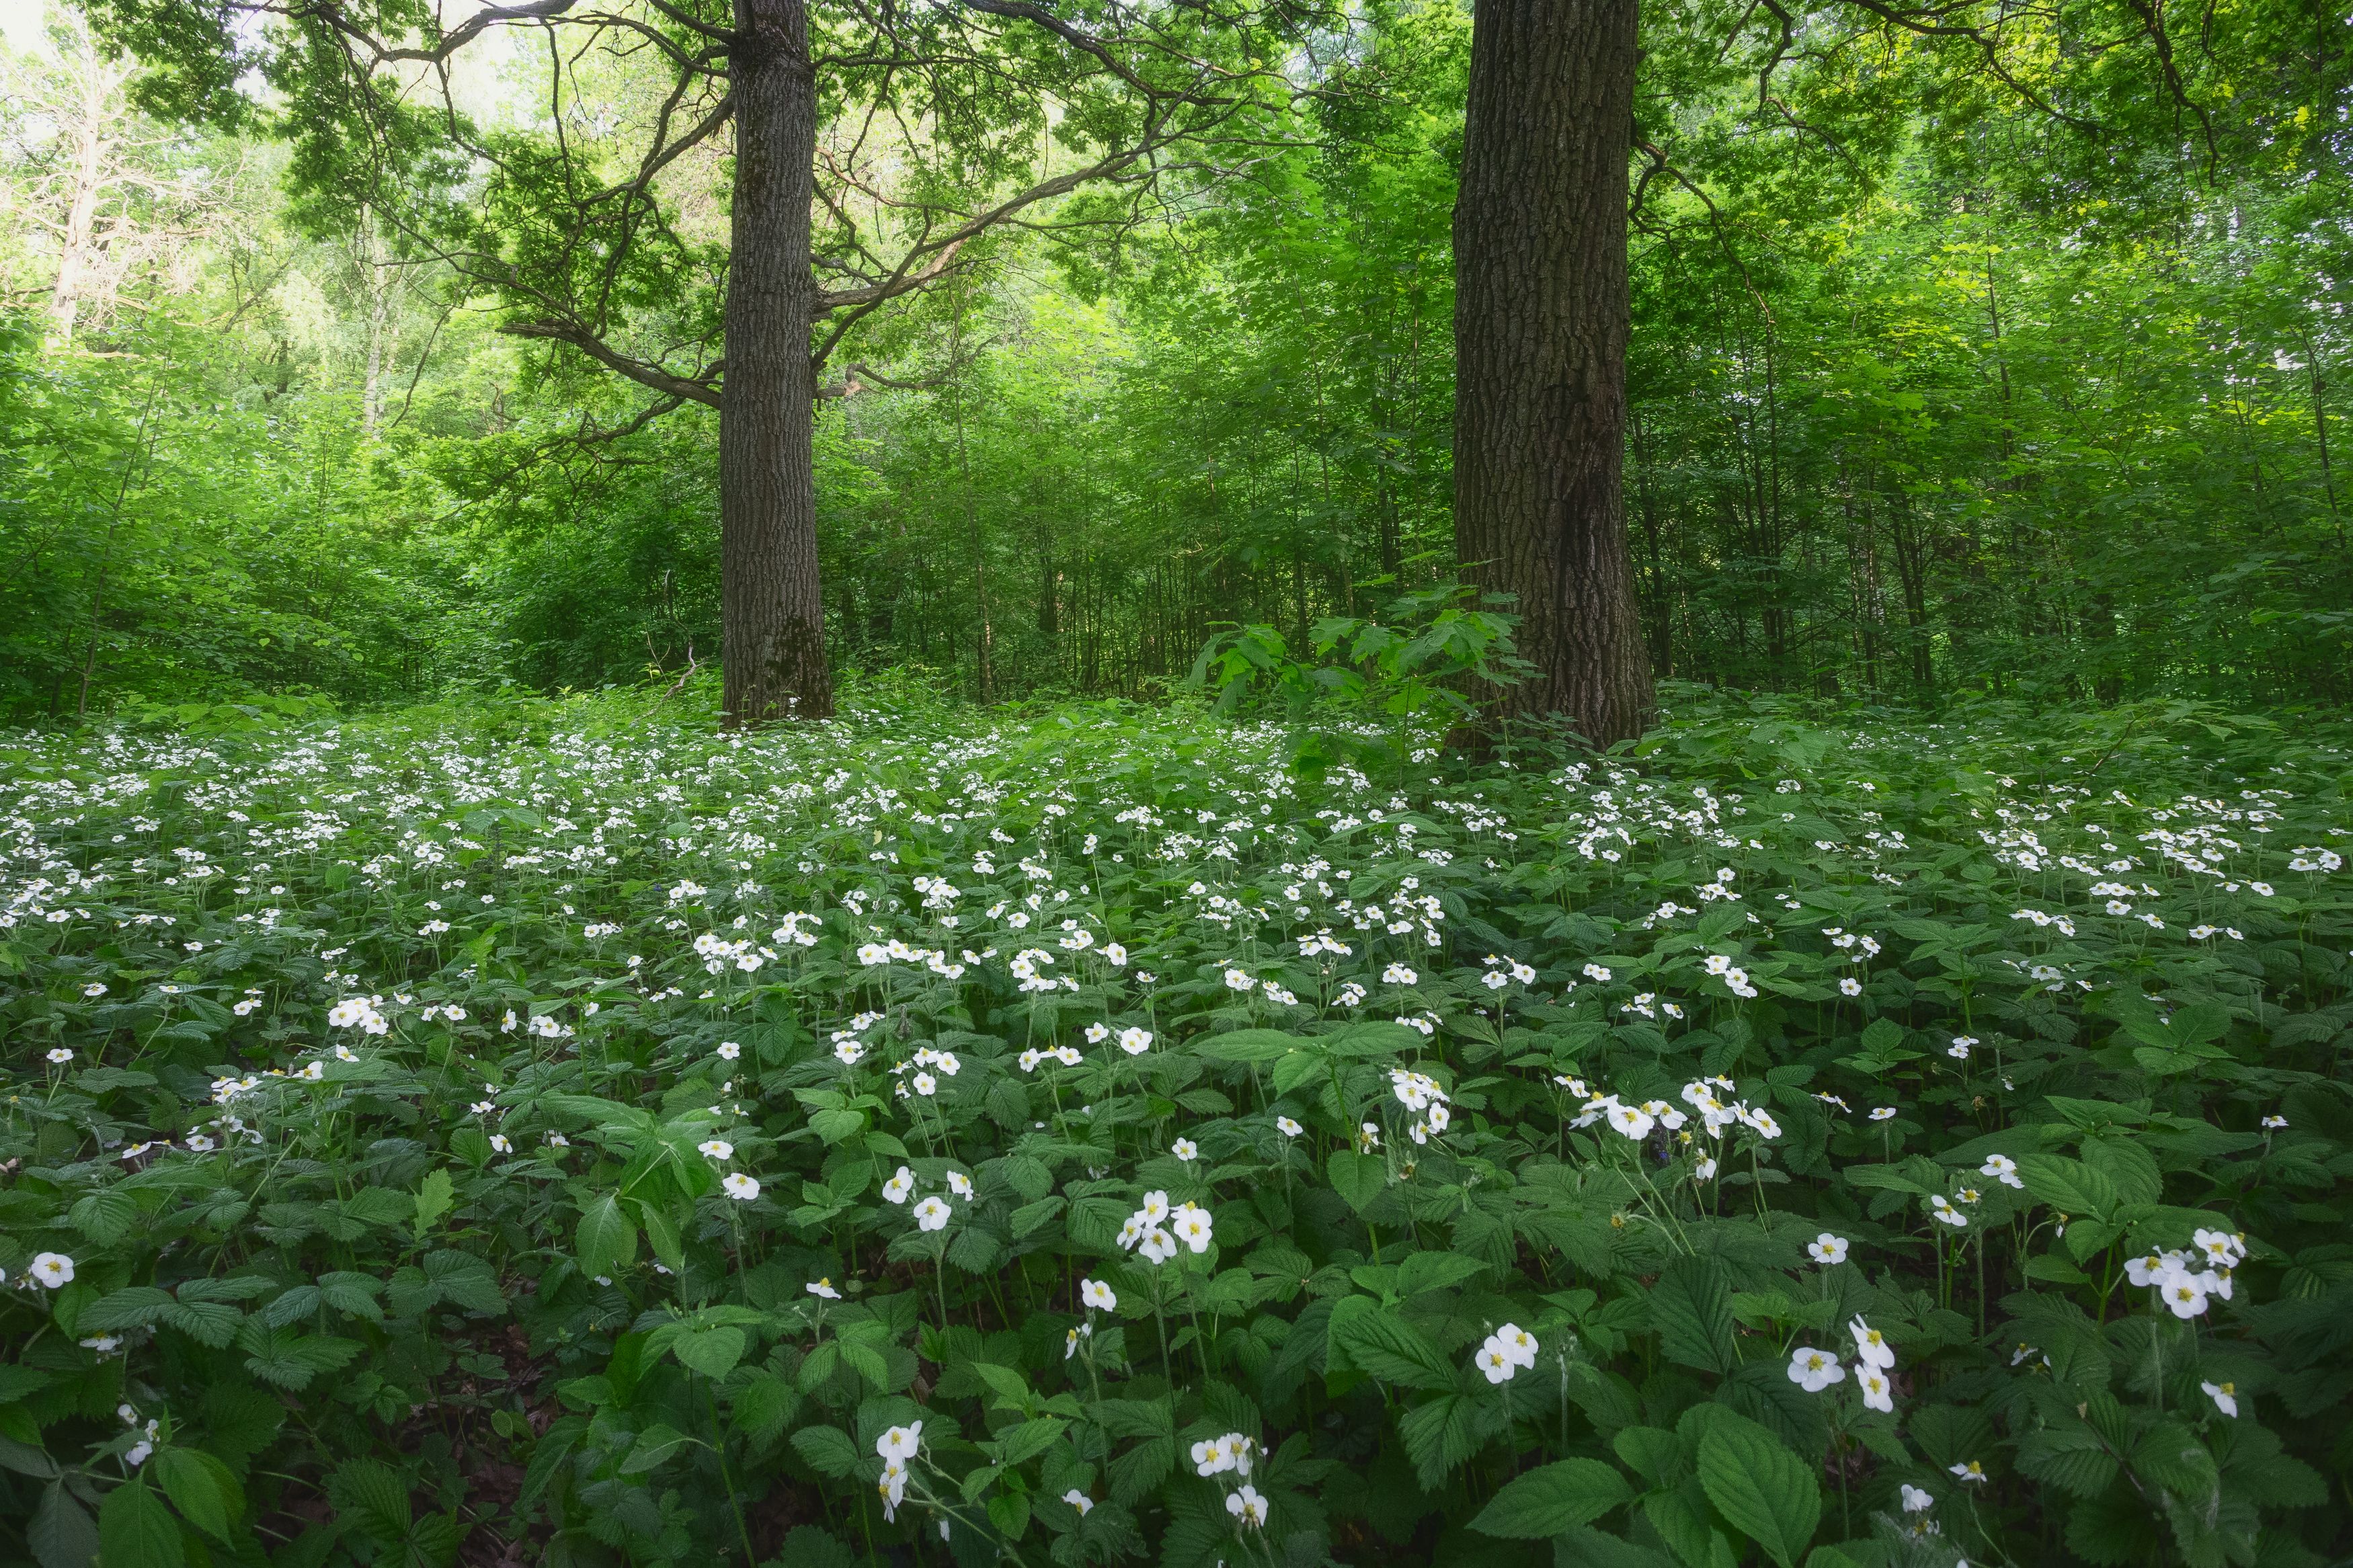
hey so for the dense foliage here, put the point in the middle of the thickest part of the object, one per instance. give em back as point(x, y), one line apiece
point(1936, 382)
point(1086, 1135)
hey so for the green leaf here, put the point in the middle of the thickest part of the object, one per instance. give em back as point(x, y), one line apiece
point(134, 1307)
point(1009, 1385)
point(1437, 1436)
point(827, 1449)
point(2072, 1458)
point(763, 1405)
point(1009, 1511)
point(713, 1352)
point(25, 1460)
point(379, 1205)
point(1657, 1455)
point(233, 1288)
point(1690, 1307)
point(1392, 1350)
point(606, 1239)
point(1551, 1499)
point(1298, 1068)
point(1027, 1439)
point(866, 1362)
point(2068, 1185)
point(290, 1362)
point(655, 1446)
point(837, 1126)
point(105, 1216)
point(62, 1534)
point(1359, 1178)
point(1245, 1045)
point(662, 1237)
point(1374, 1041)
point(1767, 1493)
point(201, 1487)
point(136, 1530)
point(465, 1280)
point(433, 1199)
point(213, 1323)
point(1434, 1271)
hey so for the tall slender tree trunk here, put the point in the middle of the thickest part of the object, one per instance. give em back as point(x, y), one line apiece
point(1541, 317)
point(772, 614)
point(78, 244)
point(377, 264)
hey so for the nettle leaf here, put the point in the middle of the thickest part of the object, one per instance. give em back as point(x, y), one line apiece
point(2129, 1167)
point(378, 1206)
point(26, 1460)
point(1545, 1501)
point(376, 1495)
point(1011, 1388)
point(1766, 1492)
point(1029, 1217)
point(461, 1280)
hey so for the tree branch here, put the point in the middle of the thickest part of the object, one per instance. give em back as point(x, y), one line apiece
point(691, 389)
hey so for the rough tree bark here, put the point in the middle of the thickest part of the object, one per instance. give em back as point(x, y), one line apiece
point(1541, 317)
point(772, 616)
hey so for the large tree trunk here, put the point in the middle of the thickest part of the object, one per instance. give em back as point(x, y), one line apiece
point(1540, 326)
point(772, 616)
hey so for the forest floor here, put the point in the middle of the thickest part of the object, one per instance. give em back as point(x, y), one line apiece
point(1066, 1130)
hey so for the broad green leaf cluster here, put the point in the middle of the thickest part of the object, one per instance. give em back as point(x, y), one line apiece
point(553, 1133)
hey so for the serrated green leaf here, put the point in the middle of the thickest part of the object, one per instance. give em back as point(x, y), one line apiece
point(1764, 1490)
point(1550, 1499)
point(713, 1352)
point(606, 1239)
point(2068, 1185)
point(136, 1530)
point(827, 1450)
point(433, 1200)
point(201, 1487)
point(1389, 1348)
point(1359, 1178)
point(1244, 1045)
point(1690, 1307)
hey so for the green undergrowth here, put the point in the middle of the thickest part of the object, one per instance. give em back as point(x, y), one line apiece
point(554, 1132)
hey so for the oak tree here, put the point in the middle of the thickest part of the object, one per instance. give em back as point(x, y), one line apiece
point(861, 150)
